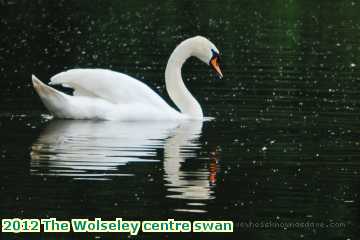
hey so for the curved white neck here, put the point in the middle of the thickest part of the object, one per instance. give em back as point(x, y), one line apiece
point(175, 86)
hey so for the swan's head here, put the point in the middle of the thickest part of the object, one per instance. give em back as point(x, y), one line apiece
point(207, 52)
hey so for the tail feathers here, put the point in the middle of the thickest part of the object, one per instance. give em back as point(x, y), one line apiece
point(53, 99)
point(44, 90)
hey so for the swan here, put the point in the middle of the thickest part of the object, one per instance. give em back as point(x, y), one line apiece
point(108, 95)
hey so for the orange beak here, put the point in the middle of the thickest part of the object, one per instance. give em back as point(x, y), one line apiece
point(214, 63)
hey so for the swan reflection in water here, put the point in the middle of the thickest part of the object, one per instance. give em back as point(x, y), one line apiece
point(96, 150)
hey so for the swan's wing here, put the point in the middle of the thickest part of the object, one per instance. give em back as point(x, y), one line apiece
point(108, 85)
point(62, 105)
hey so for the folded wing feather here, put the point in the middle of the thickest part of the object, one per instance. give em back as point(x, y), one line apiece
point(108, 85)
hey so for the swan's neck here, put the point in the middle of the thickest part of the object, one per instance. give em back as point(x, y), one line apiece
point(175, 86)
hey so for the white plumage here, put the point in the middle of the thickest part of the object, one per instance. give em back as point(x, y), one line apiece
point(108, 95)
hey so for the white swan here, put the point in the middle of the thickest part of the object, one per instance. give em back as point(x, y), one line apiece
point(109, 95)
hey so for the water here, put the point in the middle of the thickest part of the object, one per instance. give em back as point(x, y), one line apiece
point(283, 147)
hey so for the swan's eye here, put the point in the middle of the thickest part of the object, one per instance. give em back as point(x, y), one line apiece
point(215, 55)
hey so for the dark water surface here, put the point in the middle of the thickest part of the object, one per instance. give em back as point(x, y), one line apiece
point(284, 147)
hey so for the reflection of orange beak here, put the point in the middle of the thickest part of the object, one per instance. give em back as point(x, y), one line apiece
point(214, 62)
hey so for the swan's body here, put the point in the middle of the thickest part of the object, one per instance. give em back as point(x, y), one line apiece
point(103, 94)
point(109, 95)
